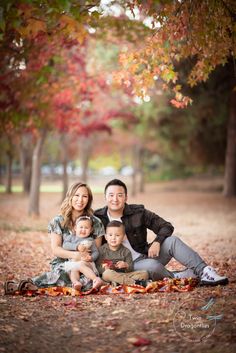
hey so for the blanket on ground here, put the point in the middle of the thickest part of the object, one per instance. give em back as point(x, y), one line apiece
point(166, 285)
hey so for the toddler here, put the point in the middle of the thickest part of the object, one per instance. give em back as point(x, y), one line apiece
point(85, 244)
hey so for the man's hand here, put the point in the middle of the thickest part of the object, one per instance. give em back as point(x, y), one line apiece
point(106, 266)
point(154, 249)
point(121, 264)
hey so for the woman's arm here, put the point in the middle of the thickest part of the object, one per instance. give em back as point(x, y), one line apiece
point(98, 231)
point(99, 261)
point(57, 250)
point(94, 252)
point(98, 241)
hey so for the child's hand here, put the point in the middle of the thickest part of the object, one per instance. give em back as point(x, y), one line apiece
point(105, 266)
point(121, 264)
point(86, 257)
point(108, 264)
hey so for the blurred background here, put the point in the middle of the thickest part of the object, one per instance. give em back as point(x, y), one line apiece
point(92, 91)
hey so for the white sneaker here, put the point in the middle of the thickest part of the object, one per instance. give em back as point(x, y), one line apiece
point(187, 273)
point(211, 278)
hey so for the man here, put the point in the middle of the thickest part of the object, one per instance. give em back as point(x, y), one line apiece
point(155, 256)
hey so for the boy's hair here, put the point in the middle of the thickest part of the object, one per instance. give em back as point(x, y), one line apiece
point(116, 182)
point(84, 218)
point(116, 224)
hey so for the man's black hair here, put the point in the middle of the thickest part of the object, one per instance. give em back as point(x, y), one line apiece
point(116, 182)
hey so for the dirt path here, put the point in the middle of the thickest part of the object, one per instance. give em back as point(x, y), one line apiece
point(201, 216)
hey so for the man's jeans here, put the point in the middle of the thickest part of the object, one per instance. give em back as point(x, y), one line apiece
point(170, 247)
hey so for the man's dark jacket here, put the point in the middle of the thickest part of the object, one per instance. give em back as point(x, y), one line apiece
point(137, 220)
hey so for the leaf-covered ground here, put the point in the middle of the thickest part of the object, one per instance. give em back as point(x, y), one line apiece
point(160, 322)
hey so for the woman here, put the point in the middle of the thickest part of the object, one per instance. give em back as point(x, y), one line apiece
point(78, 202)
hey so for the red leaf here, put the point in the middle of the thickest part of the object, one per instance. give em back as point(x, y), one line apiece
point(139, 341)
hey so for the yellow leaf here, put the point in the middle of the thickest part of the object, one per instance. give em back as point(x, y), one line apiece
point(177, 88)
point(33, 28)
point(73, 28)
point(67, 21)
point(178, 96)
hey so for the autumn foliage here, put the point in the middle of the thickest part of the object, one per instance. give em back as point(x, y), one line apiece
point(180, 30)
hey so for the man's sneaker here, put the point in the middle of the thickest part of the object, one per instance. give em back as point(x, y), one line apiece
point(187, 273)
point(209, 277)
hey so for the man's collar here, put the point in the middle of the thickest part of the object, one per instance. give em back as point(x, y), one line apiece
point(127, 210)
point(101, 211)
point(111, 218)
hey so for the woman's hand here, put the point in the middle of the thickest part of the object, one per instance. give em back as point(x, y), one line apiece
point(57, 250)
point(154, 249)
point(75, 255)
point(106, 266)
point(98, 241)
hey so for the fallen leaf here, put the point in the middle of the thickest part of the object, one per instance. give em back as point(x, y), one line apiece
point(139, 341)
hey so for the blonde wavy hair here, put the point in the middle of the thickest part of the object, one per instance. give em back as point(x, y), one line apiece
point(66, 206)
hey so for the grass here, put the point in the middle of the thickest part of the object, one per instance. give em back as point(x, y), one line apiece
point(19, 228)
point(48, 188)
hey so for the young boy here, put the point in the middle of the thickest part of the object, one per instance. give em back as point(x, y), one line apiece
point(85, 244)
point(115, 260)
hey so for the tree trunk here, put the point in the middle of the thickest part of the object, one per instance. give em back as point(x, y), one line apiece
point(9, 172)
point(135, 169)
point(9, 154)
point(142, 181)
point(1, 174)
point(138, 173)
point(230, 163)
point(26, 162)
point(85, 152)
point(64, 154)
point(141, 170)
point(36, 174)
point(134, 183)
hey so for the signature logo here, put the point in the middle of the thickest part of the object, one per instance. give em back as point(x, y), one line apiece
point(195, 320)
